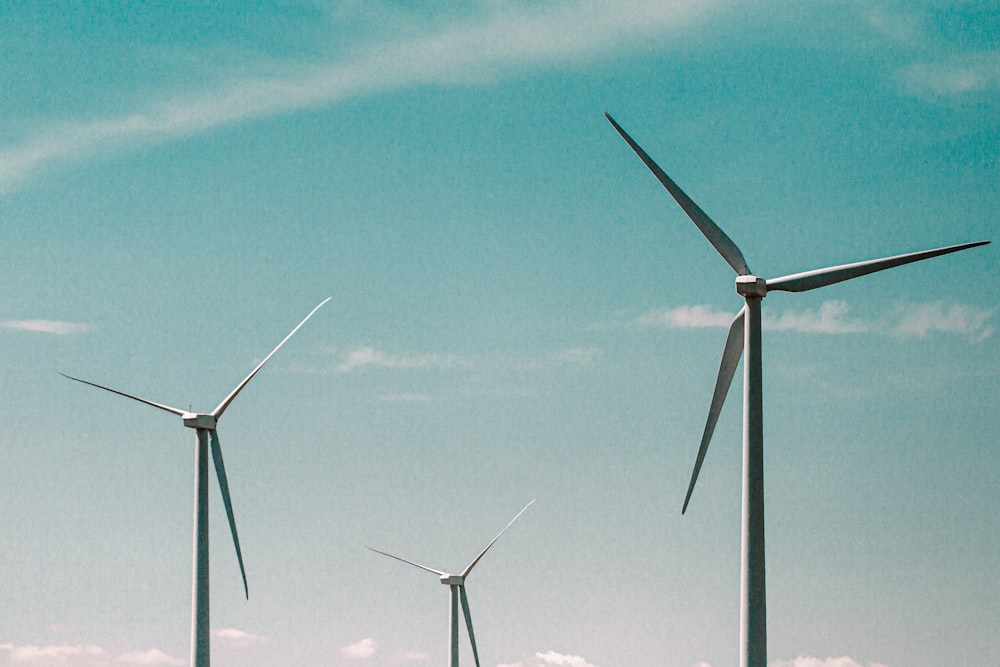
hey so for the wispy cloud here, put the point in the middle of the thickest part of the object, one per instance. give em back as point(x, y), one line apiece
point(833, 317)
point(82, 655)
point(52, 654)
point(829, 318)
point(502, 39)
point(365, 356)
point(150, 658)
point(959, 75)
point(550, 659)
point(684, 317)
point(45, 326)
point(920, 319)
point(409, 397)
point(808, 661)
point(361, 650)
point(239, 638)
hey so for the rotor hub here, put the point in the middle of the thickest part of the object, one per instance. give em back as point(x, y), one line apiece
point(452, 579)
point(747, 286)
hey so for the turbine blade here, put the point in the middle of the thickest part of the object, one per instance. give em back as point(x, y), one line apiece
point(166, 408)
point(220, 471)
point(718, 238)
point(801, 282)
point(727, 369)
point(465, 573)
point(410, 562)
point(217, 413)
point(468, 623)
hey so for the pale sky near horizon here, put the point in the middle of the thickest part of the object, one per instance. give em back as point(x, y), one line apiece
point(519, 311)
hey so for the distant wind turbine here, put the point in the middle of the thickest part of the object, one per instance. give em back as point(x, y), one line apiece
point(745, 333)
point(457, 584)
point(205, 424)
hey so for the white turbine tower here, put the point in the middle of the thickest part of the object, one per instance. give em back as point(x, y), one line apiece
point(205, 424)
point(456, 582)
point(745, 333)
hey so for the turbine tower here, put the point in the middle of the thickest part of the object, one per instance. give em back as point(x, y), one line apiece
point(456, 582)
point(744, 332)
point(204, 424)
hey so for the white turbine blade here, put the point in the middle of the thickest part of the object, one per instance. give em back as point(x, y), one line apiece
point(166, 408)
point(718, 238)
point(468, 623)
point(465, 573)
point(217, 413)
point(801, 282)
point(220, 471)
point(410, 562)
point(727, 369)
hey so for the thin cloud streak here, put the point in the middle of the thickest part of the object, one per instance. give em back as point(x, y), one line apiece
point(500, 42)
point(368, 356)
point(45, 326)
point(82, 655)
point(360, 650)
point(833, 317)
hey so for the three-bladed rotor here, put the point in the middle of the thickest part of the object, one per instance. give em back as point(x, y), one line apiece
point(206, 423)
point(750, 286)
point(457, 584)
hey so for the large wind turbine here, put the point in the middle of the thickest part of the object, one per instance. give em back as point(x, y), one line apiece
point(204, 424)
point(745, 333)
point(456, 582)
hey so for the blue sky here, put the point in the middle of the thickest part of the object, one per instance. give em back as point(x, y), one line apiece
point(519, 311)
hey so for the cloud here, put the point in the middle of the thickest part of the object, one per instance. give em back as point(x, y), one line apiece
point(45, 326)
point(831, 318)
point(905, 320)
point(807, 661)
point(153, 656)
point(684, 317)
point(53, 654)
point(239, 638)
point(960, 75)
point(361, 650)
point(503, 38)
point(369, 356)
point(550, 659)
point(917, 320)
point(82, 655)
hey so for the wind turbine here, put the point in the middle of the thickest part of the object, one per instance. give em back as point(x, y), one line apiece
point(744, 332)
point(456, 582)
point(204, 424)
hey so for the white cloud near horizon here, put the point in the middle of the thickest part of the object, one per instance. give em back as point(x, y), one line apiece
point(45, 326)
point(502, 39)
point(82, 655)
point(150, 658)
point(809, 661)
point(905, 320)
point(550, 659)
point(239, 638)
point(361, 649)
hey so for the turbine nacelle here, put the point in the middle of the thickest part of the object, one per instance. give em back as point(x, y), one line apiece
point(452, 579)
point(747, 286)
point(199, 420)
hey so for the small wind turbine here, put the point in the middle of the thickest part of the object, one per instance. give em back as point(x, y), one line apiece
point(204, 424)
point(744, 332)
point(457, 584)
